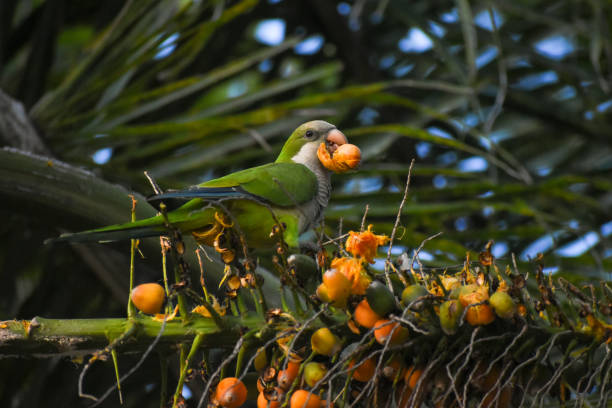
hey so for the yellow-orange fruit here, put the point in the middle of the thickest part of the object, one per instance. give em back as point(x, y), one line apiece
point(338, 287)
point(326, 159)
point(324, 342)
point(385, 328)
point(364, 315)
point(148, 297)
point(503, 304)
point(323, 293)
point(286, 377)
point(365, 371)
point(304, 399)
point(313, 372)
point(231, 393)
point(347, 157)
point(412, 376)
point(479, 315)
point(413, 292)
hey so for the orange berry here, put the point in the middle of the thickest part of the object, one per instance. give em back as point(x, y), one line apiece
point(412, 376)
point(383, 329)
point(347, 156)
point(304, 399)
point(231, 393)
point(365, 371)
point(479, 315)
point(338, 287)
point(323, 293)
point(286, 377)
point(148, 297)
point(326, 159)
point(353, 270)
point(364, 315)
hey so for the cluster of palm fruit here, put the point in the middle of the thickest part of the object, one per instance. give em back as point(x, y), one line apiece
point(406, 337)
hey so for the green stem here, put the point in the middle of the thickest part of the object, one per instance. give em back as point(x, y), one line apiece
point(131, 309)
point(169, 307)
point(185, 366)
point(262, 298)
point(116, 365)
point(45, 337)
point(182, 301)
point(284, 305)
point(257, 301)
point(298, 305)
point(240, 359)
point(233, 308)
point(240, 302)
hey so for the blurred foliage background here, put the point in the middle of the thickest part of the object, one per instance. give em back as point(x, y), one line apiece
point(505, 106)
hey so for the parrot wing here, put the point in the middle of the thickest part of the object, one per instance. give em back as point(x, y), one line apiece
point(277, 184)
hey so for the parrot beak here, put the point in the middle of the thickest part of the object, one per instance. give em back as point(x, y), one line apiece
point(334, 139)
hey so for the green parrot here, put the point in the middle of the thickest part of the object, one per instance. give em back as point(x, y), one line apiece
point(292, 192)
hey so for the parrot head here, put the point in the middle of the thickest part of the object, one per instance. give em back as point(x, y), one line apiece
point(305, 142)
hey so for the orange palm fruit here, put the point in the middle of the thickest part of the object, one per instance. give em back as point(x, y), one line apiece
point(286, 377)
point(385, 328)
point(231, 393)
point(364, 371)
point(148, 297)
point(412, 376)
point(347, 157)
point(323, 293)
point(338, 287)
point(304, 399)
point(364, 315)
point(326, 158)
point(481, 314)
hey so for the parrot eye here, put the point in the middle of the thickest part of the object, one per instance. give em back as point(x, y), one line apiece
point(309, 134)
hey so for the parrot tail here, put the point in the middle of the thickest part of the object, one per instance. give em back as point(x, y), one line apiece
point(149, 227)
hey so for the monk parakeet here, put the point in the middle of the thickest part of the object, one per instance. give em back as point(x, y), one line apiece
point(292, 192)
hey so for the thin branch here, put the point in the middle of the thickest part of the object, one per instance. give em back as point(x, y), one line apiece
point(397, 221)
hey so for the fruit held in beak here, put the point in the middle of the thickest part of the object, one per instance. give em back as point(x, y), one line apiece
point(339, 158)
point(347, 156)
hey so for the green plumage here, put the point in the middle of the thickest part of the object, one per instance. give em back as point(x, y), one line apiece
point(256, 199)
